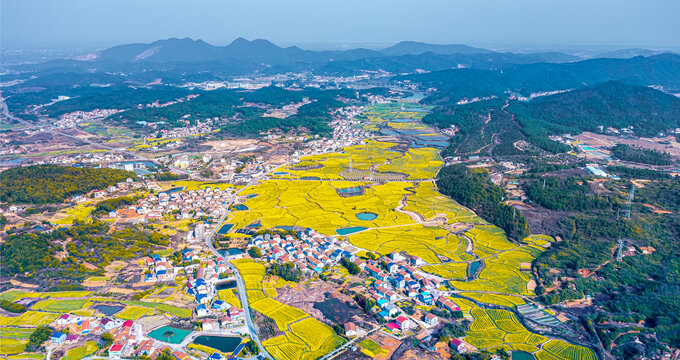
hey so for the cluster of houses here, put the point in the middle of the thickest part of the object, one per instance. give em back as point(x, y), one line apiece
point(128, 339)
point(230, 318)
point(200, 127)
point(194, 203)
point(346, 132)
point(401, 280)
point(129, 183)
point(77, 117)
point(159, 269)
point(86, 158)
point(311, 252)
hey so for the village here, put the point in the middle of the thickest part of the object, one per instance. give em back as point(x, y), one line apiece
point(391, 282)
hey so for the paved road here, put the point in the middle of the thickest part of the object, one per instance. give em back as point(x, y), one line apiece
point(239, 280)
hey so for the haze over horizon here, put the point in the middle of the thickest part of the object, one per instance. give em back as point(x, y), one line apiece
point(530, 25)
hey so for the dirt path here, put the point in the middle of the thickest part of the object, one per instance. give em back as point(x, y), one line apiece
point(413, 215)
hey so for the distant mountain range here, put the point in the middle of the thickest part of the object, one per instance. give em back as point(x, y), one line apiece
point(243, 57)
point(456, 71)
point(264, 52)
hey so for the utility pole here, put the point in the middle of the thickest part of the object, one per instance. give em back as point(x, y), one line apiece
point(629, 204)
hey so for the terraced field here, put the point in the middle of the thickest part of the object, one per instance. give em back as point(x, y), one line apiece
point(560, 350)
point(55, 305)
point(13, 339)
point(418, 163)
point(492, 329)
point(134, 312)
point(426, 242)
point(331, 166)
point(317, 204)
point(80, 352)
point(495, 299)
point(304, 337)
point(229, 296)
point(12, 346)
point(428, 202)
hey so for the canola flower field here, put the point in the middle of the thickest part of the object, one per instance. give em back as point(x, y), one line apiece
point(304, 337)
point(323, 192)
point(494, 328)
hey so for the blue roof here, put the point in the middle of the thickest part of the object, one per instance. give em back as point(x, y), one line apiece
point(200, 282)
point(201, 307)
point(216, 356)
point(58, 335)
point(161, 272)
point(384, 314)
point(186, 251)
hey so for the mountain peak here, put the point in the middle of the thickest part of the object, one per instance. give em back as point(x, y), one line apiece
point(418, 48)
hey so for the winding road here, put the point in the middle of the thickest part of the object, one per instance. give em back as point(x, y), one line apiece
point(239, 281)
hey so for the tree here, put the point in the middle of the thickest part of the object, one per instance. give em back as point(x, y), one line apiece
point(255, 252)
point(106, 340)
point(12, 307)
point(165, 355)
point(39, 336)
point(252, 347)
point(350, 266)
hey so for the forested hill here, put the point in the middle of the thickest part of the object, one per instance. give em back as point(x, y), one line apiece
point(454, 84)
point(43, 184)
point(614, 104)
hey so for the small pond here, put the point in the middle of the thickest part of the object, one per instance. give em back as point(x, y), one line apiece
point(521, 355)
point(240, 207)
point(351, 191)
point(225, 228)
point(226, 285)
point(170, 191)
point(350, 230)
point(230, 251)
point(366, 216)
point(286, 228)
point(169, 334)
point(252, 196)
point(109, 310)
point(280, 173)
point(225, 344)
point(473, 268)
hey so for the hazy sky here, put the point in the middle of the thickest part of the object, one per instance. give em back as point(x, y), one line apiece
point(499, 23)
